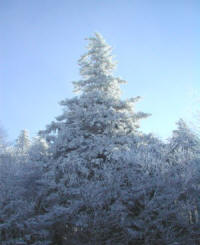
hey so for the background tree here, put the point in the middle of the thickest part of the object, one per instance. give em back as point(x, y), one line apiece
point(184, 145)
point(23, 142)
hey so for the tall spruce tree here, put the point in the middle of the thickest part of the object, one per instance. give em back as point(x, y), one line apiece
point(98, 120)
point(91, 139)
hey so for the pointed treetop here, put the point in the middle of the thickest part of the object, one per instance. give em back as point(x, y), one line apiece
point(23, 142)
point(99, 55)
point(96, 69)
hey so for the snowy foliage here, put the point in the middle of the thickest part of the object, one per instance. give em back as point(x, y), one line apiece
point(93, 178)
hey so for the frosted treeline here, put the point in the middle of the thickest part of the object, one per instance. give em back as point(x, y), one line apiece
point(92, 177)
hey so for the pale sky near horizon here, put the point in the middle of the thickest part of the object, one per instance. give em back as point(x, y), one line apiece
point(156, 44)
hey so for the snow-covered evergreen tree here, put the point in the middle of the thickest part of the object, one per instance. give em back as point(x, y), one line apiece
point(23, 142)
point(94, 135)
point(98, 114)
point(184, 145)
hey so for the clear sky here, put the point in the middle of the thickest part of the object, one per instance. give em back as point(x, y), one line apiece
point(156, 44)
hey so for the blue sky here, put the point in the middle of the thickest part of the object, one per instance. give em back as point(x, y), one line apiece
point(156, 44)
